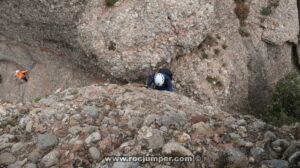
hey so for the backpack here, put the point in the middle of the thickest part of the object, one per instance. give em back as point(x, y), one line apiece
point(167, 72)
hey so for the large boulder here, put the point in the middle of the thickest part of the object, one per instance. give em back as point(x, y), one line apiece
point(200, 40)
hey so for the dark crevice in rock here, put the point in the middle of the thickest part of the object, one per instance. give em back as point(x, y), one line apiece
point(258, 93)
point(298, 7)
point(295, 55)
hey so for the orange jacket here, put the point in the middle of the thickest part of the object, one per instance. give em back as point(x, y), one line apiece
point(22, 74)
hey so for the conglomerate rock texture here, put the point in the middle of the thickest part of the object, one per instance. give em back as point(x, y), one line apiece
point(199, 40)
point(80, 127)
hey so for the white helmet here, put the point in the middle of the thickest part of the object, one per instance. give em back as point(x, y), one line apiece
point(17, 71)
point(159, 79)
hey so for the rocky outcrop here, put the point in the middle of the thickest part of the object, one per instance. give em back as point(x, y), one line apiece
point(48, 71)
point(203, 42)
point(131, 121)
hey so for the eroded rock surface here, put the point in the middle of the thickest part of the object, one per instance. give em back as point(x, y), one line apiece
point(228, 143)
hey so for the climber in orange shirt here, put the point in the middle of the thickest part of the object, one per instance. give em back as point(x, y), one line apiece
point(22, 74)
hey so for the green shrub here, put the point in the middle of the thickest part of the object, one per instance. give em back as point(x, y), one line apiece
point(217, 51)
point(242, 11)
point(243, 31)
point(266, 11)
point(37, 99)
point(286, 101)
point(274, 3)
point(74, 92)
point(224, 46)
point(109, 3)
point(205, 55)
point(214, 81)
point(112, 46)
point(208, 42)
point(6, 123)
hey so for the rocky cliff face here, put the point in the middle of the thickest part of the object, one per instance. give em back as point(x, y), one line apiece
point(79, 127)
point(223, 52)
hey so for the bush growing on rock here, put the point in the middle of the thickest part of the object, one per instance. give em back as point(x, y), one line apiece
point(110, 2)
point(241, 10)
point(286, 101)
point(266, 11)
point(244, 32)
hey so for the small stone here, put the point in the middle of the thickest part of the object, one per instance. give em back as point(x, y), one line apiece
point(153, 138)
point(126, 165)
point(29, 126)
point(75, 130)
point(150, 119)
point(163, 166)
point(203, 128)
point(164, 129)
point(183, 138)
point(91, 111)
point(199, 118)
point(34, 157)
point(17, 147)
point(68, 97)
point(30, 165)
point(234, 136)
point(241, 122)
point(7, 158)
point(229, 120)
point(94, 152)
point(50, 159)
point(46, 141)
point(89, 129)
point(258, 125)
point(173, 118)
point(6, 138)
point(105, 144)
point(22, 162)
point(93, 138)
point(257, 152)
point(176, 148)
point(109, 121)
point(294, 158)
point(14, 165)
point(275, 163)
point(78, 145)
point(77, 117)
point(234, 158)
point(48, 101)
point(135, 123)
point(5, 145)
point(269, 136)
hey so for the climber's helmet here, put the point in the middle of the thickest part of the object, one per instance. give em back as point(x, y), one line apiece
point(17, 71)
point(159, 79)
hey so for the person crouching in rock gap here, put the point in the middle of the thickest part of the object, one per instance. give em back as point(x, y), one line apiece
point(162, 80)
point(22, 75)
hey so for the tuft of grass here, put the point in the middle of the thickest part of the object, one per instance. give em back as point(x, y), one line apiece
point(214, 81)
point(217, 51)
point(243, 31)
point(224, 46)
point(6, 123)
point(285, 109)
point(266, 11)
point(241, 11)
point(274, 3)
point(208, 42)
point(74, 92)
point(110, 3)
point(112, 46)
point(37, 99)
point(205, 55)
